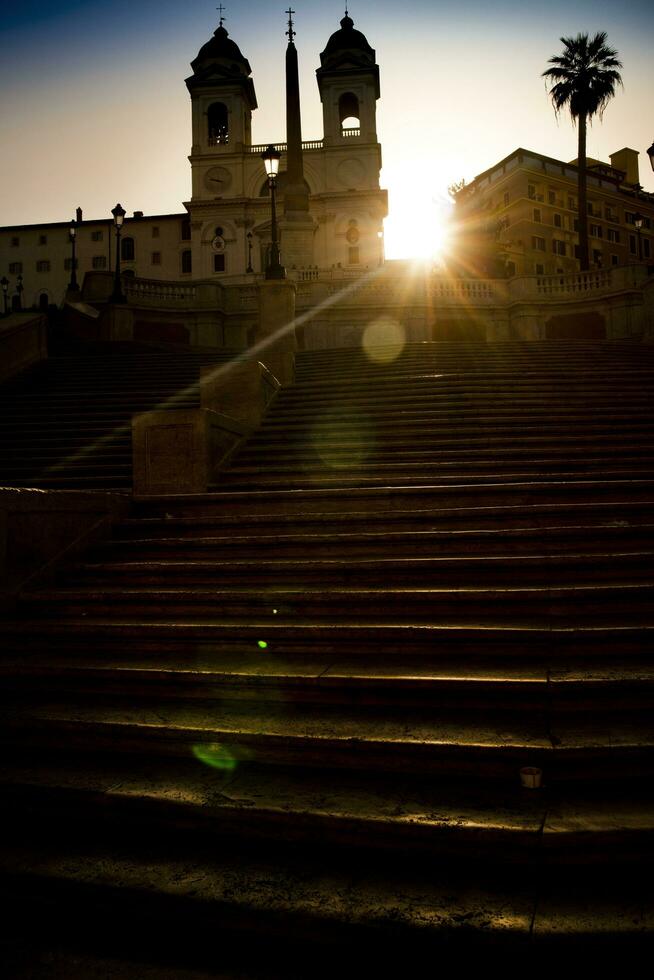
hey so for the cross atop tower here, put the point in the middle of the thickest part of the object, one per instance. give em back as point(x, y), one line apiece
point(220, 10)
point(290, 32)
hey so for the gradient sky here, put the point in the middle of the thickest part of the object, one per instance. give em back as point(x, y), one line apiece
point(95, 109)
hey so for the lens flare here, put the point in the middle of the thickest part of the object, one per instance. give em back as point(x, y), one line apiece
point(217, 756)
point(343, 450)
point(383, 340)
point(262, 644)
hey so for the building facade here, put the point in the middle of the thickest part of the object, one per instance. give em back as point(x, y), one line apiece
point(520, 216)
point(225, 230)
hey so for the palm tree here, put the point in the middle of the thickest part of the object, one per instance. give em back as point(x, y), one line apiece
point(584, 78)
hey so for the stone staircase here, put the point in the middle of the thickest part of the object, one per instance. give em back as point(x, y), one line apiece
point(275, 724)
point(66, 423)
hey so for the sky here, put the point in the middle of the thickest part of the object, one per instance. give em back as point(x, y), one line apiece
point(95, 109)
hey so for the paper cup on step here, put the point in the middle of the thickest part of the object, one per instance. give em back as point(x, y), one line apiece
point(531, 777)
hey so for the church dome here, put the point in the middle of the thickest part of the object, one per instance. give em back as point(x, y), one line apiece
point(222, 50)
point(347, 40)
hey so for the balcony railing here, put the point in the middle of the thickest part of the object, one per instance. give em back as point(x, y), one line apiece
point(282, 147)
point(350, 131)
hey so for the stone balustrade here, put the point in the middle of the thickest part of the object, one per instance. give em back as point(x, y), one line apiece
point(23, 341)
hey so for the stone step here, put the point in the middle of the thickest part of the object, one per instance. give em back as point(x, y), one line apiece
point(390, 500)
point(158, 672)
point(421, 816)
point(470, 569)
point(455, 638)
point(601, 602)
point(491, 746)
point(156, 519)
point(256, 478)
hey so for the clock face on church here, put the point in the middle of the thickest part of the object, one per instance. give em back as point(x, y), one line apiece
point(217, 180)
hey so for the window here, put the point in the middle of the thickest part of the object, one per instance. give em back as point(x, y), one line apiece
point(613, 235)
point(348, 115)
point(155, 231)
point(43, 265)
point(558, 247)
point(540, 269)
point(43, 239)
point(629, 217)
point(156, 258)
point(590, 210)
point(537, 216)
point(187, 261)
point(632, 244)
point(551, 196)
point(96, 236)
point(68, 264)
point(218, 124)
point(575, 224)
point(646, 248)
point(597, 258)
point(353, 254)
point(127, 249)
point(558, 220)
point(538, 243)
point(99, 262)
point(595, 231)
point(506, 199)
point(615, 260)
point(219, 263)
point(610, 215)
point(531, 191)
point(572, 203)
point(15, 268)
point(186, 229)
point(15, 241)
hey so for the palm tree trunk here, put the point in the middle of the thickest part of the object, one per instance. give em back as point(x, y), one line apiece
point(584, 259)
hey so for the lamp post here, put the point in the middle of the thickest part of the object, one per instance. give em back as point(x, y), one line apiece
point(638, 222)
point(119, 216)
point(72, 234)
point(249, 238)
point(4, 282)
point(274, 268)
point(19, 290)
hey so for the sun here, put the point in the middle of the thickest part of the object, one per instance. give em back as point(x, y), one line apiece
point(420, 231)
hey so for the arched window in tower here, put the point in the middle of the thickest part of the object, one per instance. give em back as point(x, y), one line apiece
point(127, 249)
point(348, 115)
point(218, 123)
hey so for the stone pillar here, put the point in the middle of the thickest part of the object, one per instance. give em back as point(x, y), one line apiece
point(275, 342)
point(243, 391)
point(181, 451)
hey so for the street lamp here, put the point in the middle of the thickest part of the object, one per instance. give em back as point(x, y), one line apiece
point(274, 268)
point(638, 222)
point(72, 234)
point(19, 290)
point(249, 238)
point(650, 154)
point(119, 216)
point(4, 282)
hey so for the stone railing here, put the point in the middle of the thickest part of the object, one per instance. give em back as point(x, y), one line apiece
point(155, 293)
point(350, 131)
point(463, 290)
point(577, 282)
point(146, 292)
point(23, 341)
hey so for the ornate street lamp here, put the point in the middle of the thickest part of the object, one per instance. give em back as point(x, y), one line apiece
point(274, 268)
point(19, 291)
point(650, 154)
point(638, 223)
point(249, 238)
point(4, 282)
point(72, 234)
point(119, 216)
